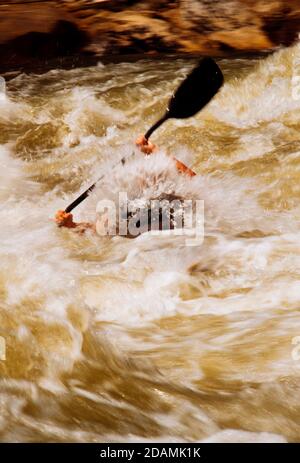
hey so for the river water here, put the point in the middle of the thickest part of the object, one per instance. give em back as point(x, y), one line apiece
point(148, 339)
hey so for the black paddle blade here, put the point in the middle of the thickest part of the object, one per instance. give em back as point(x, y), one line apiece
point(193, 93)
point(196, 90)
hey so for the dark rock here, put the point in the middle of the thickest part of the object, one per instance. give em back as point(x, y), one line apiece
point(64, 39)
point(44, 30)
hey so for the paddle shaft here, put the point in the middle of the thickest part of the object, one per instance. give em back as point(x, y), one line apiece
point(81, 197)
point(156, 125)
point(85, 194)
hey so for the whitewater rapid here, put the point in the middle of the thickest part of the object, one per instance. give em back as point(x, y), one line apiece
point(111, 339)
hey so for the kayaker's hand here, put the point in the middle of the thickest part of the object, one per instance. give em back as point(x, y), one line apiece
point(145, 145)
point(64, 219)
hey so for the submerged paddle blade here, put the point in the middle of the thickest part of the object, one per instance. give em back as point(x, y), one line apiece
point(196, 90)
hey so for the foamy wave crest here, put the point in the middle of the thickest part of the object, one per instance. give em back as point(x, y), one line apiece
point(263, 95)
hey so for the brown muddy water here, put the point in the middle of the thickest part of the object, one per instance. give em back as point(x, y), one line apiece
point(110, 339)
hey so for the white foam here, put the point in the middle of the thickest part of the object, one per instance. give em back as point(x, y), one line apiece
point(2, 89)
point(266, 94)
point(224, 312)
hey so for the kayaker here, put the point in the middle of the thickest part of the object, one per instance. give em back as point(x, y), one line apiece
point(65, 219)
point(193, 93)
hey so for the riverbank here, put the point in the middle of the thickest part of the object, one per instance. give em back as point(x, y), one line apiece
point(50, 34)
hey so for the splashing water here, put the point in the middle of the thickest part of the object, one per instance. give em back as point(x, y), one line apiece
point(2, 89)
point(149, 339)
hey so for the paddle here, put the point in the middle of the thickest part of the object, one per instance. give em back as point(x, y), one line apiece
point(197, 89)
